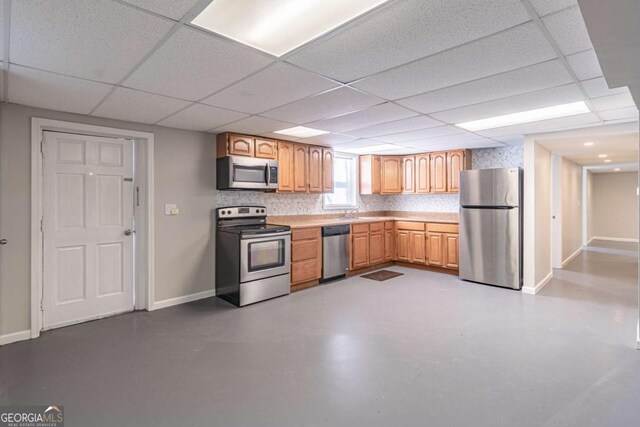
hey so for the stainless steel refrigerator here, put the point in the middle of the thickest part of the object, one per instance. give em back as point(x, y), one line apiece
point(491, 226)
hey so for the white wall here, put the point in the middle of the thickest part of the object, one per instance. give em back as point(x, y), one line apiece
point(184, 174)
point(571, 209)
point(614, 205)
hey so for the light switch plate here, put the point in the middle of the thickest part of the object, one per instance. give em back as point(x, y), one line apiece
point(171, 209)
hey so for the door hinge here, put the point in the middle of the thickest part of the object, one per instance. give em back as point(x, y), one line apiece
point(41, 305)
point(42, 147)
point(41, 224)
point(138, 196)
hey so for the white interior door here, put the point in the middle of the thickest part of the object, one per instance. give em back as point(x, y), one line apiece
point(87, 228)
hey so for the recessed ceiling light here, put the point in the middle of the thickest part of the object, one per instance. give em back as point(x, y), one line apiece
point(607, 161)
point(301, 132)
point(538, 114)
point(617, 169)
point(279, 26)
point(602, 156)
point(589, 144)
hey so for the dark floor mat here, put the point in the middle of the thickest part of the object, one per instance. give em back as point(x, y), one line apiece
point(382, 275)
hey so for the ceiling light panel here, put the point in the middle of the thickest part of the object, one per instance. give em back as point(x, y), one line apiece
point(562, 123)
point(301, 132)
point(515, 48)
point(522, 80)
point(279, 26)
point(405, 31)
point(529, 116)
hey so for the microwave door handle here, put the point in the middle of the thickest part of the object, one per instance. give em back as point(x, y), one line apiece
point(268, 173)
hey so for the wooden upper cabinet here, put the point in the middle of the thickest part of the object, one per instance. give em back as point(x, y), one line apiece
point(391, 174)
point(327, 170)
point(266, 148)
point(240, 145)
point(422, 172)
point(315, 170)
point(408, 174)
point(456, 161)
point(438, 166)
point(370, 169)
point(300, 168)
point(285, 166)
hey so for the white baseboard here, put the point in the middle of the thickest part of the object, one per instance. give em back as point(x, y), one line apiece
point(614, 239)
point(15, 336)
point(182, 300)
point(570, 257)
point(532, 291)
point(590, 240)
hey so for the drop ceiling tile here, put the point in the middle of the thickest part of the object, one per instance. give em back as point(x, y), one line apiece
point(254, 125)
point(273, 87)
point(400, 151)
point(508, 50)
point(328, 104)
point(443, 145)
point(331, 139)
point(96, 40)
point(545, 7)
point(2, 30)
point(174, 9)
point(420, 134)
point(460, 139)
point(201, 118)
point(362, 143)
point(371, 116)
point(1, 85)
point(406, 31)
point(598, 87)
point(135, 106)
point(585, 65)
point(568, 30)
point(404, 125)
point(611, 102)
point(523, 80)
point(192, 65)
point(551, 125)
point(54, 91)
point(619, 114)
point(510, 139)
point(513, 104)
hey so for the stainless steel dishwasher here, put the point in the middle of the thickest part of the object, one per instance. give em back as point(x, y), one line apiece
point(335, 251)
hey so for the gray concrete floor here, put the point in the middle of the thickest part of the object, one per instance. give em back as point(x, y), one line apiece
point(420, 349)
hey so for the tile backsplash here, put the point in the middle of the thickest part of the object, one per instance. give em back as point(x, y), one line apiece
point(301, 204)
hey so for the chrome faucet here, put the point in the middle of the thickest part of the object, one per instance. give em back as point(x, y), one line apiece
point(349, 213)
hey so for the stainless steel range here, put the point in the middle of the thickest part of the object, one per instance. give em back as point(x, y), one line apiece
point(252, 257)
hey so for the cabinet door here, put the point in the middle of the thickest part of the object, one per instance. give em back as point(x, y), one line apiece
point(376, 174)
point(417, 247)
point(391, 175)
point(300, 168)
point(402, 246)
point(240, 145)
point(451, 250)
point(422, 173)
point(266, 149)
point(285, 166)
point(327, 170)
point(376, 248)
point(360, 250)
point(389, 245)
point(408, 174)
point(438, 172)
point(315, 169)
point(455, 164)
point(435, 244)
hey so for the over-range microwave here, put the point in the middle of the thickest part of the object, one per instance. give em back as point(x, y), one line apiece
point(246, 173)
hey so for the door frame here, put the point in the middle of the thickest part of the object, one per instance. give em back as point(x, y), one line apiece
point(144, 243)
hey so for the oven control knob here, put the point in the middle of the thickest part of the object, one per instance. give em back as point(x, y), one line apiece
point(228, 212)
point(262, 211)
point(257, 210)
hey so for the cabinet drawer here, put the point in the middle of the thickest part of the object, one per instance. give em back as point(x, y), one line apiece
point(376, 226)
point(305, 234)
point(304, 249)
point(409, 225)
point(359, 228)
point(303, 271)
point(388, 225)
point(442, 228)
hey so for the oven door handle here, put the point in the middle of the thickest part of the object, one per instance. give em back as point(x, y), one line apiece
point(266, 236)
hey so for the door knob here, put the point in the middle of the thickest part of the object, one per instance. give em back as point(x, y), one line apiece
point(127, 232)
point(3, 242)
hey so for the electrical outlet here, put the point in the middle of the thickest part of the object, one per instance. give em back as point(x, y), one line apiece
point(171, 209)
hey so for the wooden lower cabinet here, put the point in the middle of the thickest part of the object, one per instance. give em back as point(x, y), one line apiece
point(442, 242)
point(417, 247)
point(402, 245)
point(359, 250)
point(389, 241)
point(452, 246)
point(306, 255)
point(376, 247)
point(436, 254)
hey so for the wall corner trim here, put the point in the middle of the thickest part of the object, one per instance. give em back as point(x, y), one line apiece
point(541, 284)
point(170, 302)
point(570, 257)
point(15, 337)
